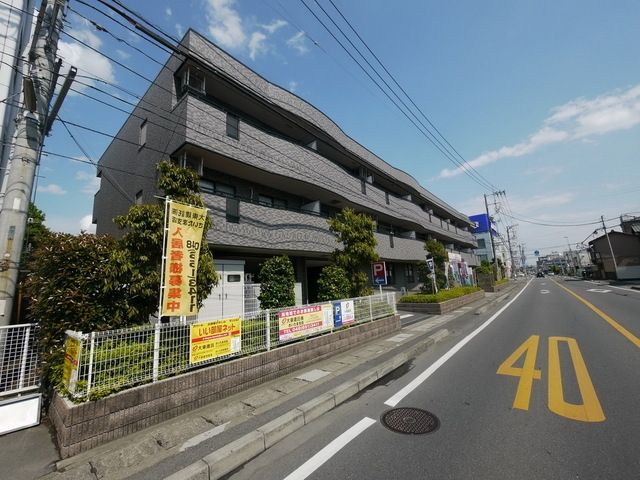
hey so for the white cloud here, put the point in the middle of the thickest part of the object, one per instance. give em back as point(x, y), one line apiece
point(123, 55)
point(85, 59)
point(274, 26)
point(298, 43)
point(86, 224)
point(179, 30)
point(52, 188)
point(256, 44)
point(225, 24)
point(168, 12)
point(91, 183)
point(576, 120)
point(293, 85)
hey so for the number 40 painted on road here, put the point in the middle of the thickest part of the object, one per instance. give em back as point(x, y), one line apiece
point(590, 409)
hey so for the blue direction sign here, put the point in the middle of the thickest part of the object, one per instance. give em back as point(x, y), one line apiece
point(379, 273)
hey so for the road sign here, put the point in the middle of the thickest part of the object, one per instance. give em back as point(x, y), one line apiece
point(430, 264)
point(379, 273)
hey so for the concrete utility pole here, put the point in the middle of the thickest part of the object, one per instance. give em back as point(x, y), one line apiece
point(615, 265)
point(513, 264)
point(493, 247)
point(38, 88)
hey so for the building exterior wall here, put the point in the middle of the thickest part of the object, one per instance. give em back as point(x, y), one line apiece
point(265, 161)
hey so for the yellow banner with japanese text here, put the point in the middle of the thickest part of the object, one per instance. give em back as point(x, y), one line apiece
point(210, 340)
point(185, 224)
point(72, 349)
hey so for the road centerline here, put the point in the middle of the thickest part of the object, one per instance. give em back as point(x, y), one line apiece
point(626, 333)
point(416, 382)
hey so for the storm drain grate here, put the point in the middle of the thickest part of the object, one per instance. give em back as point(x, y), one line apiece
point(413, 421)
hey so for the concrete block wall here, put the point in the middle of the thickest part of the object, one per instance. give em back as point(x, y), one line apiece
point(85, 426)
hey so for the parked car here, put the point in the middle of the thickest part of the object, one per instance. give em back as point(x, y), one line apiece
point(539, 274)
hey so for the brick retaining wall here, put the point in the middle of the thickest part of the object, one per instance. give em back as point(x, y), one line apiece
point(442, 307)
point(85, 426)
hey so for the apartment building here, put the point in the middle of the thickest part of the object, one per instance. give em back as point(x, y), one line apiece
point(273, 168)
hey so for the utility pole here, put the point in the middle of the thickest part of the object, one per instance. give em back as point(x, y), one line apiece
point(493, 246)
point(38, 88)
point(513, 265)
point(615, 265)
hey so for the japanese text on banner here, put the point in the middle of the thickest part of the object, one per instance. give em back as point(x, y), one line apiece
point(209, 340)
point(303, 321)
point(182, 249)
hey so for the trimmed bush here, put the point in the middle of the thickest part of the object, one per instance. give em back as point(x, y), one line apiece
point(441, 296)
point(277, 283)
point(333, 284)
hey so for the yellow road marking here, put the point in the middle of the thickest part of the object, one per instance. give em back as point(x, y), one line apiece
point(590, 409)
point(527, 373)
point(630, 336)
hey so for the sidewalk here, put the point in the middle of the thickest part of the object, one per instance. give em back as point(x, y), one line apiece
point(630, 284)
point(235, 427)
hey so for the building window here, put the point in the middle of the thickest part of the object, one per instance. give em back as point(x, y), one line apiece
point(207, 186)
point(271, 201)
point(409, 273)
point(196, 79)
point(390, 273)
point(142, 138)
point(139, 198)
point(482, 243)
point(194, 163)
point(233, 129)
point(225, 190)
point(233, 210)
point(386, 197)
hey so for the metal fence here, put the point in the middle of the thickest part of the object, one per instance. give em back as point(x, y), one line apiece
point(112, 360)
point(19, 365)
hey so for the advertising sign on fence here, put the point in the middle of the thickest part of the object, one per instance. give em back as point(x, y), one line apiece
point(303, 321)
point(72, 348)
point(214, 339)
point(343, 313)
point(185, 224)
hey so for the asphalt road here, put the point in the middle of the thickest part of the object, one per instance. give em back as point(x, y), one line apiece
point(548, 389)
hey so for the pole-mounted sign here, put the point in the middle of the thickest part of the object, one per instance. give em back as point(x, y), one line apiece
point(379, 273)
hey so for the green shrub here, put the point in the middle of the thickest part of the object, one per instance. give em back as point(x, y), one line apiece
point(333, 284)
point(501, 281)
point(441, 296)
point(277, 283)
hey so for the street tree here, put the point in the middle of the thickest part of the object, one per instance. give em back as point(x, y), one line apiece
point(439, 254)
point(355, 231)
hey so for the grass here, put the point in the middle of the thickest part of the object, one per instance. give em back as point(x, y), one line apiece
point(441, 296)
point(501, 281)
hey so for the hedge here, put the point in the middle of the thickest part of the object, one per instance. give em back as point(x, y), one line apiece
point(441, 296)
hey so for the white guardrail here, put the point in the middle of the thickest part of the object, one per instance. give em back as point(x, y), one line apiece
point(19, 359)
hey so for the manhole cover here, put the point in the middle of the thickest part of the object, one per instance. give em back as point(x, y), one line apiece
point(413, 421)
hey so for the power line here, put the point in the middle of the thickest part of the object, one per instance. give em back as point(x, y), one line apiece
point(426, 133)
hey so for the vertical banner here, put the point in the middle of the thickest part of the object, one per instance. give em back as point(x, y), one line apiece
point(185, 224)
point(72, 348)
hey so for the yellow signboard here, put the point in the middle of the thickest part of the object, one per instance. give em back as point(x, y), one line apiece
point(214, 339)
point(182, 250)
point(303, 321)
point(72, 347)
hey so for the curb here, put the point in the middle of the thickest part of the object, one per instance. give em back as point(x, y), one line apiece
point(235, 454)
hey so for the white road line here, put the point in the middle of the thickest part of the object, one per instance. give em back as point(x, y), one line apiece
point(406, 315)
point(626, 289)
point(193, 441)
point(397, 398)
point(319, 459)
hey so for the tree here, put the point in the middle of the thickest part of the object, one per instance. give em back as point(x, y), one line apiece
point(277, 282)
point(134, 267)
point(66, 286)
point(355, 231)
point(440, 256)
point(36, 232)
point(333, 284)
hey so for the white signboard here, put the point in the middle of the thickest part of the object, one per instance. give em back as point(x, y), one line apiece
point(20, 412)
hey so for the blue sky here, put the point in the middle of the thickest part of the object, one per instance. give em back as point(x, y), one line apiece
point(541, 97)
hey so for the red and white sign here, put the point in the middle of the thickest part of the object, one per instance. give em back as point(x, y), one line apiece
point(379, 273)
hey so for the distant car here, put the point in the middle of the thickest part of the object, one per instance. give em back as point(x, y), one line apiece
point(539, 274)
